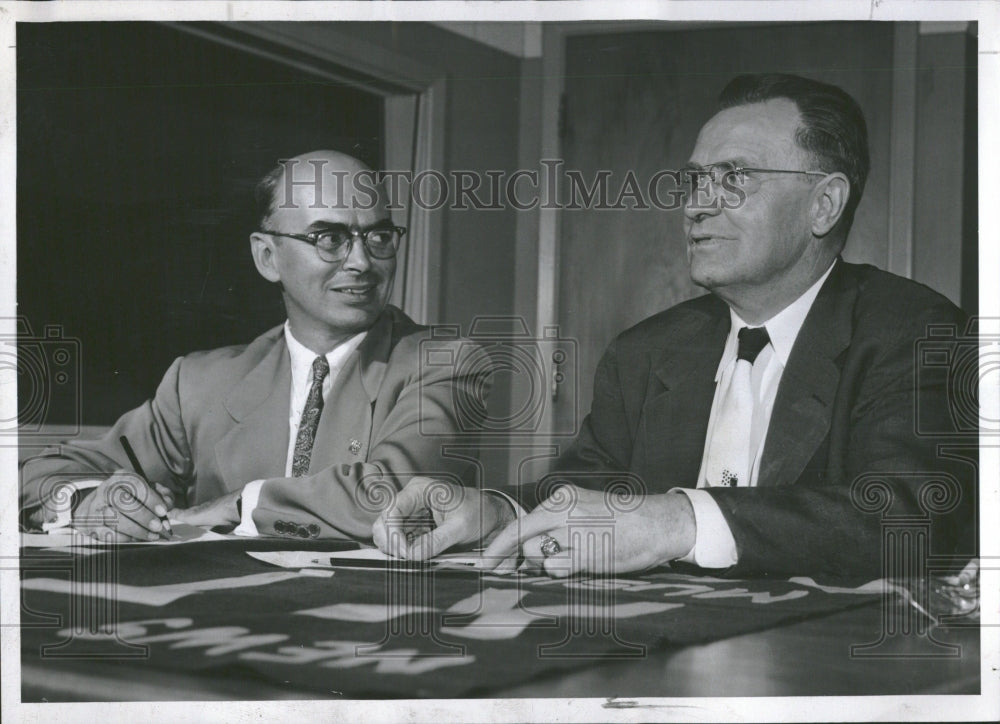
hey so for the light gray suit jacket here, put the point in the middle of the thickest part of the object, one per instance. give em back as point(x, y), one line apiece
point(219, 420)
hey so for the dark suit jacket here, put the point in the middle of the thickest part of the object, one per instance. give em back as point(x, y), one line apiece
point(844, 408)
point(219, 420)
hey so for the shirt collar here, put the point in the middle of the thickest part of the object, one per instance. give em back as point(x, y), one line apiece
point(782, 328)
point(302, 357)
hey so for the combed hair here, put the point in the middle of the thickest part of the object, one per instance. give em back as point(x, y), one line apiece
point(833, 129)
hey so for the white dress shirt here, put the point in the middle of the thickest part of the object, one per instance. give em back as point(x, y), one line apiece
point(301, 359)
point(714, 545)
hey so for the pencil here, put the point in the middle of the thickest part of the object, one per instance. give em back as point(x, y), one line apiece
point(127, 447)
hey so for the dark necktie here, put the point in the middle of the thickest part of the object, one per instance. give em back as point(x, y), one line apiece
point(729, 456)
point(310, 418)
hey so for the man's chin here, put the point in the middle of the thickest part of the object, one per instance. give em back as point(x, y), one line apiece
point(354, 319)
point(705, 277)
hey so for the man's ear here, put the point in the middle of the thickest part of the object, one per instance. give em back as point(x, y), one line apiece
point(829, 201)
point(262, 247)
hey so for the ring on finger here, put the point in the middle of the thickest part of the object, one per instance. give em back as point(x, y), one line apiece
point(550, 546)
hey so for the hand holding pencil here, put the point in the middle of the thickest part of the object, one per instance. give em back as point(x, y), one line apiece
point(126, 507)
point(159, 509)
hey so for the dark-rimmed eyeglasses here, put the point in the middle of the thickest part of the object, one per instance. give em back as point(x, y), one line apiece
point(731, 176)
point(334, 243)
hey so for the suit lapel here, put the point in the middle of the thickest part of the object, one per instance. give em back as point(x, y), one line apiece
point(800, 420)
point(257, 445)
point(676, 416)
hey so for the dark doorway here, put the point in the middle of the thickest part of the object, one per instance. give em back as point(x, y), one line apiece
point(138, 147)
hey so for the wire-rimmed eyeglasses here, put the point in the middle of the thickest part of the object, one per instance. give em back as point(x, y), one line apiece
point(732, 176)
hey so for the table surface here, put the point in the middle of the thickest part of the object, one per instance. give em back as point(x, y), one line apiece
point(802, 657)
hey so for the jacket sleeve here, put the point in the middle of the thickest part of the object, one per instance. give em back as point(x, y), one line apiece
point(156, 432)
point(431, 408)
point(599, 455)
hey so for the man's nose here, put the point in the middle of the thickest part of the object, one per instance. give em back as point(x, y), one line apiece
point(702, 202)
point(357, 258)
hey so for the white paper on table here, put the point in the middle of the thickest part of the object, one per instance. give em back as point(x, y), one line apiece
point(358, 559)
point(67, 537)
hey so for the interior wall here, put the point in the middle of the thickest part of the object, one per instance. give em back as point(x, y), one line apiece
point(940, 160)
point(970, 176)
point(481, 134)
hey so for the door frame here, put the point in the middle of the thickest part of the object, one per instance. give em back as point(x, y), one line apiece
point(414, 94)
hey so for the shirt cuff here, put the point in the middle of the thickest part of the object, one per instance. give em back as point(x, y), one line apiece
point(519, 512)
point(250, 496)
point(59, 506)
point(714, 546)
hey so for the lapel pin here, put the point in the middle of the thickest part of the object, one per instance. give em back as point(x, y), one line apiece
point(355, 446)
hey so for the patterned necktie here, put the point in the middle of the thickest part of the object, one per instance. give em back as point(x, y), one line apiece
point(729, 455)
point(310, 418)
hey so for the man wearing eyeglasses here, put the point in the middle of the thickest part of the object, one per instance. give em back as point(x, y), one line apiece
point(304, 432)
point(742, 418)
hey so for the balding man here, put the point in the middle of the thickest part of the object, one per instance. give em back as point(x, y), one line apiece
point(299, 432)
